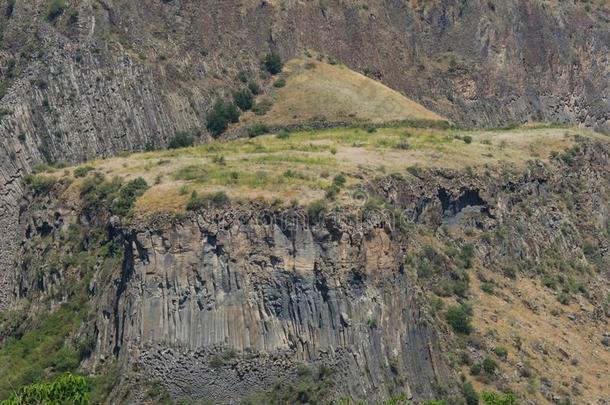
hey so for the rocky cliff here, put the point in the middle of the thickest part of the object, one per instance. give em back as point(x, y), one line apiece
point(224, 302)
point(94, 78)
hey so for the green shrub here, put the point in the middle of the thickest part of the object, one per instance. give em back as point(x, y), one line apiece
point(489, 365)
point(501, 352)
point(467, 139)
point(216, 362)
point(283, 134)
point(82, 171)
point(55, 9)
point(67, 389)
point(40, 184)
point(339, 180)
point(66, 359)
point(459, 318)
point(10, 7)
point(263, 107)
point(316, 210)
point(279, 83)
point(96, 192)
point(242, 76)
point(3, 88)
point(128, 195)
point(181, 140)
point(492, 398)
point(219, 160)
point(273, 63)
point(254, 87)
point(332, 191)
point(470, 395)
point(467, 255)
point(475, 369)
point(487, 288)
point(243, 99)
point(257, 130)
point(220, 116)
point(218, 200)
point(564, 298)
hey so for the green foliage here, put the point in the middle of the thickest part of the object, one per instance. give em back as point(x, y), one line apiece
point(257, 130)
point(128, 195)
point(339, 180)
point(55, 9)
point(570, 154)
point(470, 395)
point(181, 140)
point(263, 106)
point(218, 200)
point(10, 6)
point(459, 318)
point(97, 194)
point(3, 88)
point(220, 116)
point(501, 352)
point(254, 87)
point(492, 398)
point(82, 171)
point(242, 76)
point(279, 83)
point(487, 288)
point(39, 183)
point(316, 211)
point(243, 99)
point(467, 139)
point(489, 365)
point(273, 63)
point(467, 255)
point(564, 298)
point(400, 399)
point(66, 359)
point(283, 134)
point(23, 359)
point(66, 389)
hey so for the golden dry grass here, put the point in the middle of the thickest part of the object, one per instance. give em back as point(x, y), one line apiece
point(317, 90)
point(303, 165)
point(559, 343)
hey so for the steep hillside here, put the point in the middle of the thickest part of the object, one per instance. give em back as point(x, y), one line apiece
point(91, 78)
point(284, 201)
point(407, 263)
point(316, 91)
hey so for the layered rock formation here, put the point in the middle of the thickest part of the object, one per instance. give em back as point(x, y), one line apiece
point(225, 302)
point(106, 76)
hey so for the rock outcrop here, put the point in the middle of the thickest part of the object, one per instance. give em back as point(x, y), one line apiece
point(107, 76)
point(225, 302)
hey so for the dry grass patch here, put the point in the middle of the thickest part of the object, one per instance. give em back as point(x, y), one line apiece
point(545, 339)
point(316, 90)
point(302, 165)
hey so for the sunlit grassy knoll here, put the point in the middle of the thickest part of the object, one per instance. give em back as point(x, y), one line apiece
point(316, 90)
point(303, 165)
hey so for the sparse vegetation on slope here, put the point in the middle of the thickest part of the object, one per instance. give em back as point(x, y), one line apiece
point(305, 165)
point(314, 91)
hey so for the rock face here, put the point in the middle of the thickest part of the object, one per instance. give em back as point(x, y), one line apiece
point(224, 303)
point(114, 75)
point(277, 293)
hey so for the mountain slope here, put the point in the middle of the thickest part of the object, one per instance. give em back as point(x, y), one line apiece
point(320, 265)
point(320, 91)
point(96, 78)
